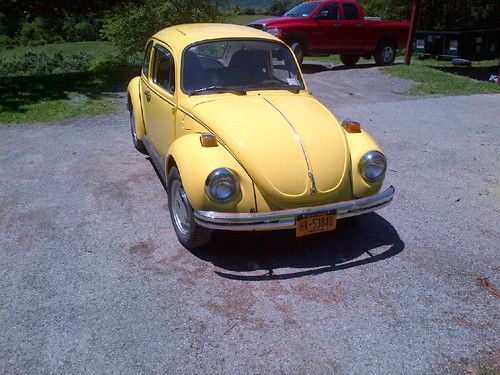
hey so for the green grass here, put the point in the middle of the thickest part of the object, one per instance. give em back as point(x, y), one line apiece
point(244, 19)
point(57, 110)
point(441, 77)
point(57, 97)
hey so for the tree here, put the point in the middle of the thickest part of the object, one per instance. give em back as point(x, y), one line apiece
point(132, 25)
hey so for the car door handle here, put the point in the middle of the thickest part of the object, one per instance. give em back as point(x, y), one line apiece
point(337, 25)
point(148, 94)
point(359, 25)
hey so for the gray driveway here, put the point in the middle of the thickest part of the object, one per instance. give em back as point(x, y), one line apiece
point(93, 280)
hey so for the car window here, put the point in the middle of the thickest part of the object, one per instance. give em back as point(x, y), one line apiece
point(147, 57)
point(329, 12)
point(302, 10)
point(350, 11)
point(163, 69)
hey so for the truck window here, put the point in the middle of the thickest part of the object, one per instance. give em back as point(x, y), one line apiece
point(350, 12)
point(302, 10)
point(330, 12)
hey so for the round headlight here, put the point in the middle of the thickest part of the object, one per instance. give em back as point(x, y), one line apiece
point(373, 165)
point(221, 185)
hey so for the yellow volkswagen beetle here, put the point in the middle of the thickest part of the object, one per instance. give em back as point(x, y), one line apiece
point(224, 113)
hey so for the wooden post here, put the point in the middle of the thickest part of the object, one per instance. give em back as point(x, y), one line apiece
point(411, 32)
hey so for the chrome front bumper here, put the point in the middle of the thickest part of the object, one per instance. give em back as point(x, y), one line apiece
point(286, 218)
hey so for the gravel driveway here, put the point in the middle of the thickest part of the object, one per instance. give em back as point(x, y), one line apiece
point(93, 280)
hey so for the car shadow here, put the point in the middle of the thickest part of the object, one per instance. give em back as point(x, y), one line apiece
point(355, 242)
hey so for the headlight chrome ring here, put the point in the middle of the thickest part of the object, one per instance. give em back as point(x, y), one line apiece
point(373, 165)
point(221, 185)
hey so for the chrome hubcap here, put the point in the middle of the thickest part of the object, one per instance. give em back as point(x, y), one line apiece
point(388, 53)
point(180, 212)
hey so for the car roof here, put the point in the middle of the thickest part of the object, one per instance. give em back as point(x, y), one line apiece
point(180, 36)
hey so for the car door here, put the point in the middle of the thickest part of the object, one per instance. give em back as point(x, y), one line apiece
point(353, 31)
point(159, 99)
point(327, 33)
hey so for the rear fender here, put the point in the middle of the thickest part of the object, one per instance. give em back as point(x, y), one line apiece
point(134, 101)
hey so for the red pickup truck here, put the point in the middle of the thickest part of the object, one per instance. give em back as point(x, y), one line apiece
point(331, 27)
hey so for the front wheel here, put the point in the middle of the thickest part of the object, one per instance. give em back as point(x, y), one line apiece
point(385, 53)
point(298, 50)
point(349, 60)
point(190, 234)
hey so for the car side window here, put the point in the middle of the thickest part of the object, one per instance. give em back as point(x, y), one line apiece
point(163, 69)
point(329, 12)
point(147, 57)
point(350, 12)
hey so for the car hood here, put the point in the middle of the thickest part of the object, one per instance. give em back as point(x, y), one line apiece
point(276, 21)
point(292, 147)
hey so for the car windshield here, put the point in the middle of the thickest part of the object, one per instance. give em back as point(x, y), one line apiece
point(302, 10)
point(238, 66)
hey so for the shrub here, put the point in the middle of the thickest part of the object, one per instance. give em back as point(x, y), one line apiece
point(130, 27)
point(44, 63)
point(76, 30)
point(107, 64)
point(38, 32)
point(5, 42)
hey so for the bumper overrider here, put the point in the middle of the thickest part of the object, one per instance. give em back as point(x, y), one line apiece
point(286, 218)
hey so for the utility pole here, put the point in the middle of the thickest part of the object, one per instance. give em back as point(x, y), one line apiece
point(411, 32)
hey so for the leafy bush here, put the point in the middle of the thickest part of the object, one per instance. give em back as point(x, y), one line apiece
point(130, 27)
point(43, 63)
point(5, 42)
point(76, 30)
point(38, 32)
point(107, 64)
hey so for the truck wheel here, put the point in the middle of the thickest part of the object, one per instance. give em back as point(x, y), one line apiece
point(190, 234)
point(298, 50)
point(349, 60)
point(385, 53)
point(139, 146)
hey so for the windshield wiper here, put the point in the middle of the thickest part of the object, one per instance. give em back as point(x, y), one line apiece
point(218, 88)
point(292, 88)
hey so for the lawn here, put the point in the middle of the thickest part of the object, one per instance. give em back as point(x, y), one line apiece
point(442, 77)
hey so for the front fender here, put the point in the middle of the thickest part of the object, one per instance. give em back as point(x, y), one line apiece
point(359, 144)
point(134, 101)
point(196, 162)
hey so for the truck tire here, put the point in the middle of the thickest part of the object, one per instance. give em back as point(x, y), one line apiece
point(190, 234)
point(298, 50)
point(349, 60)
point(139, 146)
point(385, 53)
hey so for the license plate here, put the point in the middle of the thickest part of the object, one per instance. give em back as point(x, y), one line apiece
point(315, 223)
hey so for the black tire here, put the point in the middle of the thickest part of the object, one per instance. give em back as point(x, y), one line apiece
point(349, 60)
point(139, 146)
point(298, 50)
point(190, 234)
point(385, 53)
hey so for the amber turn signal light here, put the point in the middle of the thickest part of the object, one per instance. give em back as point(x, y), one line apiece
point(208, 140)
point(351, 126)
